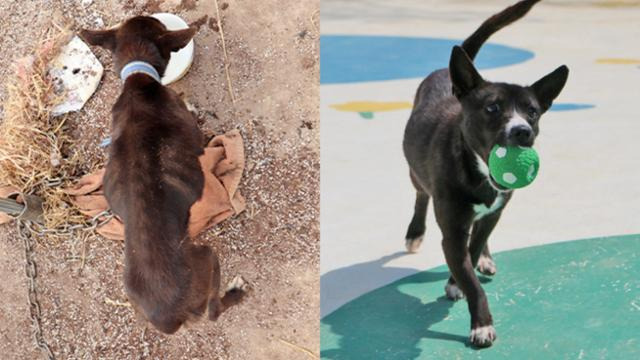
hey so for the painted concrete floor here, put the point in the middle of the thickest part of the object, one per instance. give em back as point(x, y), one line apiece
point(572, 300)
point(588, 185)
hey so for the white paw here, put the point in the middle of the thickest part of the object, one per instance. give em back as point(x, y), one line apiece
point(486, 265)
point(238, 282)
point(453, 292)
point(483, 336)
point(413, 245)
point(192, 109)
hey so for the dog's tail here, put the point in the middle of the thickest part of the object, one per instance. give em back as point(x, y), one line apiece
point(514, 12)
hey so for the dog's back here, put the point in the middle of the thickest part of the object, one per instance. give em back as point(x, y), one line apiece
point(152, 179)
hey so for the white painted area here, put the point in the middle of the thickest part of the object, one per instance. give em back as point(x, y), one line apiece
point(588, 157)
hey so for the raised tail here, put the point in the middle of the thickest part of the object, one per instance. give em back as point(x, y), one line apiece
point(514, 12)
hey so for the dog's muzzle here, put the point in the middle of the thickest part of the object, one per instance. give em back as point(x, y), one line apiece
point(521, 135)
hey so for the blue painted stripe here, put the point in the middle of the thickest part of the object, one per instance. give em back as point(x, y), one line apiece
point(348, 59)
point(570, 106)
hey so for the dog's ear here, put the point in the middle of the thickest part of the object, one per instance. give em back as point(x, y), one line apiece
point(175, 40)
point(102, 38)
point(464, 76)
point(549, 87)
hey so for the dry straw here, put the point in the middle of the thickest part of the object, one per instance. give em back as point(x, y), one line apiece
point(36, 152)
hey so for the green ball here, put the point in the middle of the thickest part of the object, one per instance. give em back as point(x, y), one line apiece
point(513, 166)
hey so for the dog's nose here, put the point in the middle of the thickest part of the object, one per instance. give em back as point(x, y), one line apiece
point(522, 135)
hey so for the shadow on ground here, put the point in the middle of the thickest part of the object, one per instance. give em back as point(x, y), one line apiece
point(351, 281)
point(369, 331)
point(388, 323)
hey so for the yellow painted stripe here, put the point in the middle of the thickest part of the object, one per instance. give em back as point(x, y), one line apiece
point(372, 106)
point(618, 3)
point(618, 61)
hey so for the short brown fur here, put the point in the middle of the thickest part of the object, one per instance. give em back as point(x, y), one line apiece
point(152, 178)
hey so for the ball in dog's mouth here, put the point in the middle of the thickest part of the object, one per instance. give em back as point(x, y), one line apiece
point(513, 167)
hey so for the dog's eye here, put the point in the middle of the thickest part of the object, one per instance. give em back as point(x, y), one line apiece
point(493, 108)
point(532, 112)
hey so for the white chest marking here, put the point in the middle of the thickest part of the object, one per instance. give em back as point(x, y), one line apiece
point(482, 210)
point(484, 170)
point(482, 166)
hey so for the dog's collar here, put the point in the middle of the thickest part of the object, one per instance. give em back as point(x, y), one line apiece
point(139, 67)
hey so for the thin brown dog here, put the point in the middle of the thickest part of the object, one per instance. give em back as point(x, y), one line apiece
point(152, 178)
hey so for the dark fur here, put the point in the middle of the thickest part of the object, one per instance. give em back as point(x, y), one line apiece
point(152, 178)
point(450, 123)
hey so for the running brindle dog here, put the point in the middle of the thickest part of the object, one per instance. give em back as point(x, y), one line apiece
point(457, 118)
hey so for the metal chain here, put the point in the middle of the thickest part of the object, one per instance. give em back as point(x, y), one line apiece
point(34, 305)
point(91, 225)
point(26, 229)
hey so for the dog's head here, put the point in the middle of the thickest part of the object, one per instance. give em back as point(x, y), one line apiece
point(141, 38)
point(499, 113)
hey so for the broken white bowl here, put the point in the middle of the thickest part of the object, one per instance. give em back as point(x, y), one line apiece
point(75, 73)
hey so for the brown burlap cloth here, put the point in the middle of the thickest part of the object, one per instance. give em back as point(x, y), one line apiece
point(222, 164)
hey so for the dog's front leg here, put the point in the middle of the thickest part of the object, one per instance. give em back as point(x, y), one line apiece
point(478, 247)
point(478, 244)
point(455, 220)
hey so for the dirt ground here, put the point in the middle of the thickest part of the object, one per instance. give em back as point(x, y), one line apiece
point(274, 65)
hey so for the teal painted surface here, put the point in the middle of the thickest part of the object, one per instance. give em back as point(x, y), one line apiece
point(367, 115)
point(571, 300)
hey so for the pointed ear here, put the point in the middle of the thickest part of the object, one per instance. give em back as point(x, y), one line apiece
point(175, 40)
point(549, 87)
point(464, 76)
point(102, 38)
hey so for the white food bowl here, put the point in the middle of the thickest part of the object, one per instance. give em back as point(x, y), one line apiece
point(181, 60)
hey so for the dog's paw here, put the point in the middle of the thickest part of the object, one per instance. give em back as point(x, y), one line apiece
point(413, 245)
point(238, 283)
point(483, 336)
point(453, 292)
point(486, 265)
point(192, 108)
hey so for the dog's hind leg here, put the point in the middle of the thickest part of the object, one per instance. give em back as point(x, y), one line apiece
point(234, 294)
point(486, 265)
point(201, 272)
point(236, 290)
point(215, 305)
point(417, 227)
